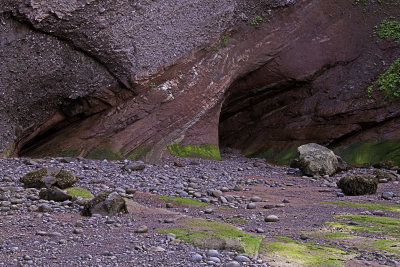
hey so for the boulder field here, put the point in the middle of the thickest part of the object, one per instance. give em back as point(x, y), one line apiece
point(146, 79)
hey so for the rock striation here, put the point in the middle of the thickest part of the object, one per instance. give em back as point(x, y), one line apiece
point(145, 79)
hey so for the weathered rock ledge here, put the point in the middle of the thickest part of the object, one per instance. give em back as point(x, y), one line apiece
point(113, 79)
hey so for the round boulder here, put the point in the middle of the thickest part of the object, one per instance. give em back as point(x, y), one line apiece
point(316, 160)
point(105, 204)
point(358, 185)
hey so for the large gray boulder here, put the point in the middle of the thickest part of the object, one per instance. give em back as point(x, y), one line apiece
point(105, 204)
point(316, 160)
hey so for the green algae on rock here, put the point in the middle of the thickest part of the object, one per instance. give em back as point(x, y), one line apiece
point(79, 192)
point(62, 178)
point(205, 151)
point(374, 206)
point(101, 153)
point(183, 200)
point(371, 152)
point(214, 234)
point(366, 223)
point(287, 252)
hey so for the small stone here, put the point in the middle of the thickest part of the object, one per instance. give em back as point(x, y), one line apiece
point(169, 220)
point(137, 166)
point(77, 231)
point(251, 206)
point(216, 193)
point(225, 189)
point(271, 218)
point(208, 211)
point(142, 229)
point(238, 188)
point(130, 191)
point(255, 199)
point(339, 194)
point(260, 230)
point(232, 264)
point(157, 249)
point(27, 258)
point(33, 208)
point(269, 206)
point(44, 208)
point(378, 213)
point(215, 259)
point(286, 201)
point(223, 199)
point(303, 237)
point(242, 258)
point(171, 236)
point(385, 195)
point(169, 205)
point(212, 253)
point(183, 194)
point(197, 257)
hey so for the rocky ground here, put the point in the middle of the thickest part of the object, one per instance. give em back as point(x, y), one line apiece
point(290, 219)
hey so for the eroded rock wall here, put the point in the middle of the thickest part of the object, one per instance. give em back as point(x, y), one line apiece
point(189, 76)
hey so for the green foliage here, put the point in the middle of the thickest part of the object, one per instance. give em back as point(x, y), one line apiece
point(256, 21)
point(153, 85)
point(298, 253)
point(196, 151)
point(374, 206)
point(196, 229)
point(389, 29)
point(79, 192)
point(224, 40)
point(388, 82)
point(183, 200)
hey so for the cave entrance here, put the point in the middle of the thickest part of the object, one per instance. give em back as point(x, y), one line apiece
point(256, 112)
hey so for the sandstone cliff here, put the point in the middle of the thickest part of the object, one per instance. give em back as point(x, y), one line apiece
point(142, 79)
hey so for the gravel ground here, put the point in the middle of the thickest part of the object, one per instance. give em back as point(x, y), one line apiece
point(240, 191)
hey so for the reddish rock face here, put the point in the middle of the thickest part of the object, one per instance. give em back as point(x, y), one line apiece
point(298, 76)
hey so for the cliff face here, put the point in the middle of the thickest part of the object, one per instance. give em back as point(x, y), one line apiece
point(142, 79)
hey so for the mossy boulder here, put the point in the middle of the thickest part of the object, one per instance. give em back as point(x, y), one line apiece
point(65, 179)
point(385, 176)
point(34, 179)
point(358, 185)
point(49, 177)
point(106, 204)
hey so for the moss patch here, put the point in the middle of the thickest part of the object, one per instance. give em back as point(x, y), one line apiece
point(390, 246)
point(371, 152)
point(390, 207)
point(295, 253)
point(197, 230)
point(238, 219)
point(365, 223)
point(195, 151)
point(101, 153)
point(274, 154)
point(389, 29)
point(79, 192)
point(183, 200)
